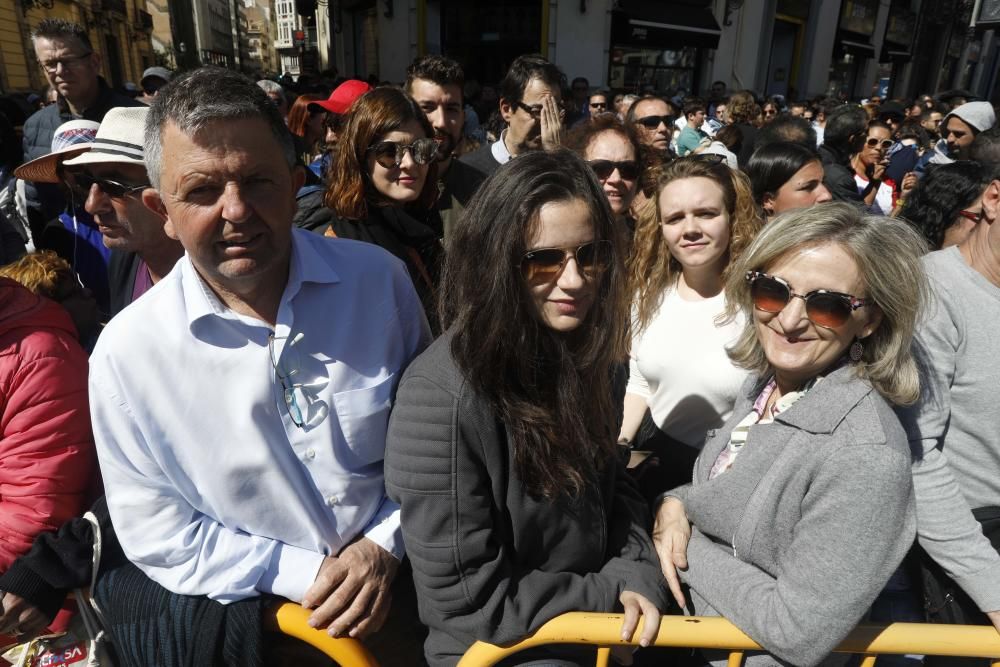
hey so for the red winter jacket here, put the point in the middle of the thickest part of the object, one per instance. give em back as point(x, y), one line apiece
point(47, 459)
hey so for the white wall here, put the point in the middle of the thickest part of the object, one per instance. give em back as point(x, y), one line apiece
point(580, 47)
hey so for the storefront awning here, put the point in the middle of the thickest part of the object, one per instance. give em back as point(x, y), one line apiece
point(858, 48)
point(664, 25)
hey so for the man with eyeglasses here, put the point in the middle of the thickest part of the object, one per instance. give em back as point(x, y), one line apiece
point(653, 119)
point(111, 177)
point(240, 407)
point(531, 105)
point(72, 68)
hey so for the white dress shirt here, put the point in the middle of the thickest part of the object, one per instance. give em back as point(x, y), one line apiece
point(212, 488)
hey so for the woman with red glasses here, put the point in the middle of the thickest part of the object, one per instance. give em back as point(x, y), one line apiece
point(383, 185)
point(700, 219)
point(801, 505)
point(612, 151)
point(516, 506)
point(869, 164)
point(947, 204)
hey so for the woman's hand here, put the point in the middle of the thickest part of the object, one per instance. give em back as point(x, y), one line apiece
point(671, 533)
point(909, 182)
point(879, 169)
point(21, 618)
point(551, 120)
point(635, 606)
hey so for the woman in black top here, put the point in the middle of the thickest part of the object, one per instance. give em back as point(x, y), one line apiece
point(383, 185)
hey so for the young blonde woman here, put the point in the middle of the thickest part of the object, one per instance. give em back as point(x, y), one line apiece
point(704, 216)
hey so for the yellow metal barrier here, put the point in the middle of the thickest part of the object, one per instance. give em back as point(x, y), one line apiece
point(292, 620)
point(603, 630)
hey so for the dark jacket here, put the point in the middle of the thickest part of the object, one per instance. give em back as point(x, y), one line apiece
point(838, 176)
point(457, 187)
point(45, 201)
point(122, 270)
point(415, 241)
point(482, 160)
point(490, 562)
point(747, 144)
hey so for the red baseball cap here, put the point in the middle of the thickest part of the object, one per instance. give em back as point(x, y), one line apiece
point(343, 96)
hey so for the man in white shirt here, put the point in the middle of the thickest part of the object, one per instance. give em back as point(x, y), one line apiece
point(240, 408)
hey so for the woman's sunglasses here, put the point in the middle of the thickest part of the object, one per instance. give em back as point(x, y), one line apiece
point(629, 170)
point(823, 307)
point(543, 265)
point(884, 144)
point(389, 154)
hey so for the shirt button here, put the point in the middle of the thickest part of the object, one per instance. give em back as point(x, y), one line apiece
point(332, 500)
point(310, 454)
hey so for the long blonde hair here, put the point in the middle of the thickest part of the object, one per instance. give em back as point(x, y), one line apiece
point(652, 269)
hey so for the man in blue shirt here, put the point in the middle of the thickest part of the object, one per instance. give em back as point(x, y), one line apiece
point(240, 407)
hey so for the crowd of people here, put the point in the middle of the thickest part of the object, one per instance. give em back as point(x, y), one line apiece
point(440, 380)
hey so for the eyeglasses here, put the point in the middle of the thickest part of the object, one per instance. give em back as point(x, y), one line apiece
point(711, 158)
point(389, 154)
point(82, 182)
point(770, 112)
point(294, 392)
point(598, 105)
point(543, 265)
point(536, 112)
point(823, 307)
point(52, 66)
point(975, 216)
point(629, 170)
point(884, 144)
point(653, 122)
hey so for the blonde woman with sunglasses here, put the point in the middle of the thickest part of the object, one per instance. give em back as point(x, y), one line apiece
point(802, 506)
point(700, 218)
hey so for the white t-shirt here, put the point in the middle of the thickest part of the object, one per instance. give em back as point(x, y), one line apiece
point(680, 366)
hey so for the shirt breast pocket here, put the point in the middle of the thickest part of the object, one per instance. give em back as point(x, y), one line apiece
point(364, 419)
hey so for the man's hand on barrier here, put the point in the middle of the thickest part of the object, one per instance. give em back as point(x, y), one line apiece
point(21, 618)
point(671, 534)
point(351, 592)
point(994, 617)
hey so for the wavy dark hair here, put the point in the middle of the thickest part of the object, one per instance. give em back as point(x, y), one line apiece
point(772, 165)
point(944, 190)
point(552, 391)
point(372, 116)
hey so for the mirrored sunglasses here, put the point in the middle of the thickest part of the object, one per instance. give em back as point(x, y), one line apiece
point(884, 144)
point(543, 265)
point(823, 307)
point(389, 154)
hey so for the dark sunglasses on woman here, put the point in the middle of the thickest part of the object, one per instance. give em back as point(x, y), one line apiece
point(628, 170)
point(823, 307)
point(543, 265)
point(389, 154)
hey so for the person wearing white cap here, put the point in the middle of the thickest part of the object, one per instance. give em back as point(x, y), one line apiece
point(113, 175)
point(958, 130)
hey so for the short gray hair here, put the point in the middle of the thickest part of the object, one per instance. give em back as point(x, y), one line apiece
point(197, 98)
point(887, 252)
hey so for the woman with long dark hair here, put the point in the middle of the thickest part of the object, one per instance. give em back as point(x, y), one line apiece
point(785, 176)
point(501, 450)
point(383, 184)
point(947, 203)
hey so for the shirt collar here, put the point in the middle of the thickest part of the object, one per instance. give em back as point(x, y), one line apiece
point(307, 265)
point(499, 149)
point(822, 409)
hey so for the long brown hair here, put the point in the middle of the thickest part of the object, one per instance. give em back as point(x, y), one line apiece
point(552, 391)
point(298, 115)
point(652, 269)
point(373, 115)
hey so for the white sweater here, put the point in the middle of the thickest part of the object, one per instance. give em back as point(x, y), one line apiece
point(679, 365)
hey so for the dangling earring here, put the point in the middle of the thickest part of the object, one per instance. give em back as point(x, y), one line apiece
point(857, 349)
